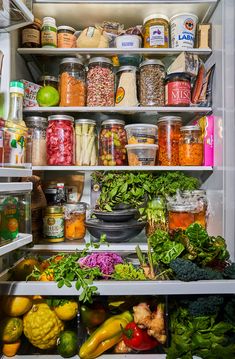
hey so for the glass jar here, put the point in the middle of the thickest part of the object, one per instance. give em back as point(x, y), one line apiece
point(65, 37)
point(86, 143)
point(180, 216)
point(49, 32)
point(126, 92)
point(75, 216)
point(156, 31)
point(199, 198)
point(60, 141)
point(31, 34)
point(168, 140)
point(100, 82)
point(191, 146)
point(152, 78)
point(53, 224)
point(112, 142)
point(37, 129)
point(72, 86)
point(177, 89)
point(49, 81)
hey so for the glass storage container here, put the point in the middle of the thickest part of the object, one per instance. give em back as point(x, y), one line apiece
point(72, 83)
point(75, 216)
point(191, 146)
point(168, 140)
point(100, 82)
point(126, 91)
point(60, 141)
point(31, 34)
point(151, 85)
point(199, 198)
point(49, 81)
point(156, 31)
point(37, 129)
point(180, 216)
point(86, 143)
point(65, 37)
point(53, 224)
point(112, 142)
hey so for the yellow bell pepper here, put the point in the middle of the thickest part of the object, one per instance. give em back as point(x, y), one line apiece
point(105, 337)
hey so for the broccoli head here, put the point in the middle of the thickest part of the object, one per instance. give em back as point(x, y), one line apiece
point(204, 306)
point(229, 272)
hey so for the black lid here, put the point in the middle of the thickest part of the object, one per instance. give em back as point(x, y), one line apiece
point(181, 75)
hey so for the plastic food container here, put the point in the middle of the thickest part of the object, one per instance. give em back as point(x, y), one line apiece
point(183, 28)
point(141, 155)
point(141, 133)
point(191, 146)
point(128, 42)
point(156, 31)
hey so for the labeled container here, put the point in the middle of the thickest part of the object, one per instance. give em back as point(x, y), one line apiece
point(31, 34)
point(65, 37)
point(177, 89)
point(37, 129)
point(112, 142)
point(75, 216)
point(168, 140)
point(183, 29)
point(60, 141)
point(100, 82)
point(10, 217)
point(126, 94)
point(198, 197)
point(191, 146)
point(152, 83)
point(72, 83)
point(141, 134)
point(53, 224)
point(49, 32)
point(180, 216)
point(128, 42)
point(49, 81)
point(141, 155)
point(156, 31)
point(86, 143)
point(30, 94)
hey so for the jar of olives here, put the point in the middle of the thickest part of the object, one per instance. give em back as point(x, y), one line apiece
point(112, 142)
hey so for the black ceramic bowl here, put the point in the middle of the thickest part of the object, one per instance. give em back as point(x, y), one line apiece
point(116, 216)
point(115, 232)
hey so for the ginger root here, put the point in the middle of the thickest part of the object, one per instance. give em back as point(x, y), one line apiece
point(122, 348)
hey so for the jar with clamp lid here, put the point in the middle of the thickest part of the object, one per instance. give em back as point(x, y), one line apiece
point(37, 129)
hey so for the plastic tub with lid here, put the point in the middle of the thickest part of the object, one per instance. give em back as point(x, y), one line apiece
point(141, 154)
point(183, 29)
point(128, 42)
point(141, 133)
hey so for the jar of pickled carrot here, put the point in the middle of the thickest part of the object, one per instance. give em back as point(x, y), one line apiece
point(168, 140)
point(180, 216)
point(75, 216)
point(191, 146)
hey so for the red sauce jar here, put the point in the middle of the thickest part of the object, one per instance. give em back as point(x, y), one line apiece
point(177, 90)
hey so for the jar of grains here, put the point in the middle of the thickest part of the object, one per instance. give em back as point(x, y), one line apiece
point(168, 140)
point(152, 78)
point(75, 216)
point(156, 31)
point(72, 84)
point(60, 141)
point(191, 146)
point(86, 143)
point(100, 82)
point(199, 198)
point(49, 81)
point(31, 34)
point(112, 142)
point(37, 129)
point(180, 216)
point(53, 224)
point(177, 90)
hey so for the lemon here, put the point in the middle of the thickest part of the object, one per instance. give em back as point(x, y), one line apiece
point(10, 329)
point(48, 96)
point(16, 306)
point(67, 311)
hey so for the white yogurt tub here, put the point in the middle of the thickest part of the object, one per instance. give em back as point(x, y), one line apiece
point(183, 29)
point(128, 42)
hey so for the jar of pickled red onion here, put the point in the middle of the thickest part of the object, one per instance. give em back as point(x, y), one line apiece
point(60, 141)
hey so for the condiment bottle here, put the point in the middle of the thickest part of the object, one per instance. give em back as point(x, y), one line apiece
point(49, 32)
point(31, 34)
point(53, 224)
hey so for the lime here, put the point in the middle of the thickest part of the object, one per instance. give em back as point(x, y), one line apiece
point(48, 96)
point(67, 344)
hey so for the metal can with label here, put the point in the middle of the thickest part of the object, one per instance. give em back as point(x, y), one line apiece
point(53, 224)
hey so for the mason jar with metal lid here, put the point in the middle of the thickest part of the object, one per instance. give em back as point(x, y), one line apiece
point(112, 142)
point(75, 216)
point(199, 198)
point(72, 82)
point(49, 81)
point(86, 143)
point(60, 141)
point(191, 146)
point(100, 82)
point(168, 140)
point(180, 216)
point(53, 224)
point(126, 91)
point(37, 130)
point(152, 83)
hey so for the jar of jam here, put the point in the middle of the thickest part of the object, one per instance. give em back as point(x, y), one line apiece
point(75, 216)
point(65, 37)
point(156, 31)
point(177, 89)
point(112, 142)
point(191, 146)
point(49, 81)
point(31, 34)
point(53, 224)
point(168, 140)
point(180, 216)
point(199, 198)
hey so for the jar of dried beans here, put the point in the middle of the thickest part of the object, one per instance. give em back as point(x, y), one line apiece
point(100, 82)
point(191, 146)
point(199, 198)
point(112, 142)
point(75, 216)
point(152, 89)
point(60, 141)
point(37, 129)
point(168, 140)
point(177, 89)
point(72, 82)
point(180, 216)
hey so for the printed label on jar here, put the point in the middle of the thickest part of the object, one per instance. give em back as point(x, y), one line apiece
point(120, 94)
point(49, 38)
point(178, 93)
point(53, 228)
point(147, 161)
point(15, 148)
point(157, 35)
point(31, 35)
point(65, 40)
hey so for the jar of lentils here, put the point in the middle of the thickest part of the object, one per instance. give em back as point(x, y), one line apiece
point(191, 146)
point(37, 129)
point(100, 82)
point(152, 86)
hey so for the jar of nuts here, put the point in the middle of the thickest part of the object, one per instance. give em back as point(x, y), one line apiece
point(152, 77)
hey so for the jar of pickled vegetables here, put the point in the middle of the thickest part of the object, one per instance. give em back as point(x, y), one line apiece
point(60, 141)
point(156, 31)
point(180, 216)
point(75, 216)
point(168, 140)
point(112, 142)
point(86, 143)
point(191, 146)
point(199, 198)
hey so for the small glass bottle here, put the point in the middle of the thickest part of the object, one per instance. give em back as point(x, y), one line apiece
point(75, 216)
point(191, 146)
point(31, 34)
point(37, 128)
point(49, 32)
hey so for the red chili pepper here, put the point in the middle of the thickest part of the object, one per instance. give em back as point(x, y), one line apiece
point(138, 339)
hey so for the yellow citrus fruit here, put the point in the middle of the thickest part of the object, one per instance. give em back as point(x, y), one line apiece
point(67, 311)
point(25, 268)
point(10, 349)
point(10, 329)
point(47, 275)
point(15, 306)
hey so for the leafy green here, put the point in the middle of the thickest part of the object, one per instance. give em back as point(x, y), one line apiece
point(127, 271)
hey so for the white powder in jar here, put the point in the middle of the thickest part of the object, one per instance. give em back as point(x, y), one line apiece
point(39, 155)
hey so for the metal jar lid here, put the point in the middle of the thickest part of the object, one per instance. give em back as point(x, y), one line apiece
point(54, 210)
point(127, 68)
point(64, 27)
point(174, 207)
point(156, 17)
point(76, 207)
point(85, 121)
point(100, 59)
point(37, 120)
point(152, 62)
point(178, 75)
point(195, 192)
point(113, 122)
point(190, 128)
point(170, 119)
point(71, 60)
point(60, 118)
point(48, 78)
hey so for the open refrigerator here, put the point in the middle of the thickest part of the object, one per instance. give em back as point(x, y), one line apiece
point(217, 180)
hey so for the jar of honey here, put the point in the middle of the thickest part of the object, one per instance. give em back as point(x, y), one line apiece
point(180, 216)
point(156, 31)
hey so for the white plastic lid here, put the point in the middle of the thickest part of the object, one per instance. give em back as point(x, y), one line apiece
point(184, 14)
point(156, 16)
point(142, 147)
point(49, 20)
point(140, 125)
point(64, 27)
